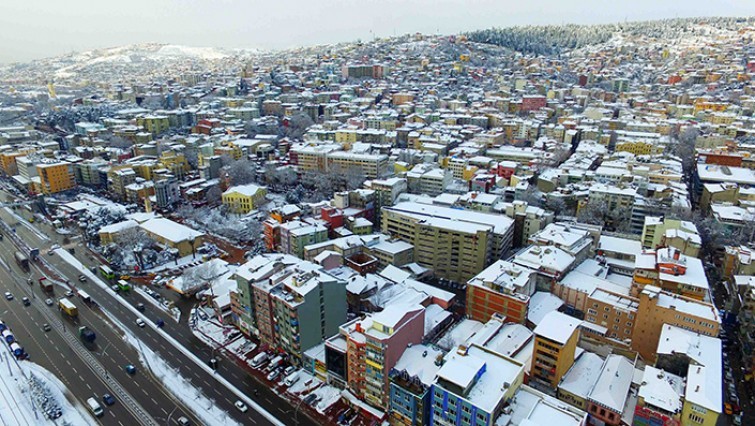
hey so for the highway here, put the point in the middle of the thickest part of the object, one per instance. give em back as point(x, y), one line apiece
point(228, 369)
point(110, 350)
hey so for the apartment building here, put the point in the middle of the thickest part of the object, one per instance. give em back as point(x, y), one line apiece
point(657, 308)
point(473, 387)
point(290, 304)
point(680, 234)
point(372, 166)
point(411, 379)
point(56, 177)
point(672, 271)
point(428, 180)
point(528, 220)
point(455, 244)
point(310, 157)
point(118, 178)
point(555, 344)
point(502, 288)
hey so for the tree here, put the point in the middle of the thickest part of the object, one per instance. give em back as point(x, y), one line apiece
point(298, 125)
point(241, 172)
point(532, 196)
point(354, 178)
point(214, 195)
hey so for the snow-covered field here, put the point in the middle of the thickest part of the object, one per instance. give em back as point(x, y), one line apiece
point(26, 381)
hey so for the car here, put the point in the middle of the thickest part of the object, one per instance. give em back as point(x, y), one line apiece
point(241, 406)
point(140, 307)
point(130, 369)
point(183, 421)
point(728, 409)
point(46, 327)
point(140, 322)
point(108, 399)
point(309, 399)
point(8, 296)
point(49, 302)
point(82, 278)
point(274, 374)
point(159, 323)
point(69, 293)
point(50, 253)
point(125, 277)
point(115, 288)
point(25, 300)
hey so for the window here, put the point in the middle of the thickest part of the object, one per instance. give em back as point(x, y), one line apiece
point(607, 309)
point(629, 323)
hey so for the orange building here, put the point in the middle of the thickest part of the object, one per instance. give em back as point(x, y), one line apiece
point(502, 288)
point(56, 177)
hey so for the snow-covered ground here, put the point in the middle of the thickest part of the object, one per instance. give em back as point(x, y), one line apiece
point(26, 381)
point(182, 262)
point(203, 407)
point(216, 335)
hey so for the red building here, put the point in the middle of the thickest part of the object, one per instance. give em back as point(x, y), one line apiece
point(532, 103)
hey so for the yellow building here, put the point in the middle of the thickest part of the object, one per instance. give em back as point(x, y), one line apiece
point(155, 124)
point(556, 339)
point(243, 199)
point(173, 235)
point(175, 162)
point(56, 177)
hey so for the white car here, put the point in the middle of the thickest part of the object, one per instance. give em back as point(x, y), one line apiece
point(241, 406)
point(140, 322)
point(49, 302)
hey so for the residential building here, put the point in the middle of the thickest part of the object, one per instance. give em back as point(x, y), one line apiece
point(658, 308)
point(56, 177)
point(682, 235)
point(502, 288)
point(672, 271)
point(555, 345)
point(455, 244)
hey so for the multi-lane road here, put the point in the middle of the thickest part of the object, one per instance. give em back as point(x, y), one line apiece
point(206, 381)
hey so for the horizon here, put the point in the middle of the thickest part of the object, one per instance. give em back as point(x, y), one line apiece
point(50, 29)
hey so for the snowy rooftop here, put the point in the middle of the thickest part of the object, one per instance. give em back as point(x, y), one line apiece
point(662, 389)
point(551, 258)
point(118, 227)
point(694, 275)
point(612, 387)
point(247, 190)
point(620, 245)
point(542, 303)
point(704, 375)
point(557, 327)
point(503, 275)
point(683, 304)
point(471, 221)
point(533, 408)
point(419, 361)
point(582, 375)
point(169, 230)
point(492, 372)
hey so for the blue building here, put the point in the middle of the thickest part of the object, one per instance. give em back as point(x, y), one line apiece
point(410, 382)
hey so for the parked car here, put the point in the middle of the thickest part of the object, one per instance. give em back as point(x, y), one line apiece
point(274, 374)
point(241, 406)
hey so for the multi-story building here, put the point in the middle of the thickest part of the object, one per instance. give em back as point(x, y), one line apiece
point(660, 398)
point(672, 271)
point(411, 379)
point(88, 171)
point(455, 244)
point(528, 220)
point(372, 166)
point(699, 359)
point(473, 387)
point(118, 178)
point(555, 345)
point(502, 288)
point(289, 304)
point(311, 158)
point(244, 198)
point(657, 307)
point(155, 124)
point(375, 343)
point(56, 177)
point(571, 239)
point(607, 399)
point(680, 234)
point(428, 180)
point(296, 235)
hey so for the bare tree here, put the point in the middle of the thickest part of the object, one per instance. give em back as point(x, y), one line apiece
point(298, 125)
point(241, 172)
point(214, 195)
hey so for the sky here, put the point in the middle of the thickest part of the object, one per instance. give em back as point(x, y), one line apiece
point(32, 29)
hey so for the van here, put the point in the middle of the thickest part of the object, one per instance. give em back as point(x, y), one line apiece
point(291, 379)
point(95, 407)
point(259, 359)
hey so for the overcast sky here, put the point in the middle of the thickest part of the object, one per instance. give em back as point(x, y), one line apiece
point(31, 29)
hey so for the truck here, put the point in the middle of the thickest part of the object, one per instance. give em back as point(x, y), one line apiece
point(274, 363)
point(259, 359)
point(8, 336)
point(69, 308)
point(22, 261)
point(87, 334)
point(45, 284)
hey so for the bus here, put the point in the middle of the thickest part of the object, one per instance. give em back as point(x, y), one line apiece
point(123, 285)
point(106, 272)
